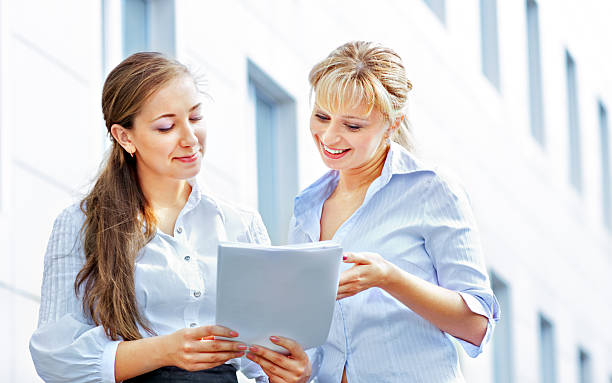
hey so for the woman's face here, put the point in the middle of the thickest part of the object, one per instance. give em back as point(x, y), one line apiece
point(348, 138)
point(169, 134)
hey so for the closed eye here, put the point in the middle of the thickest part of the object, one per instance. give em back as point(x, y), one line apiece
point(165, 130)
point(353, 128)
point(322, 117)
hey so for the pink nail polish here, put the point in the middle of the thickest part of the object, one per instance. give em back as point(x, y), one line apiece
point(274, 339)
point(233, 333)
point(344, 257)
point(253, 348)
point(242, 347)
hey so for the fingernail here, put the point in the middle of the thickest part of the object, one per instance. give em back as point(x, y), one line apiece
point(344, 257)
point(233, 333)
point(253, 348)
point(274, 339)
point(242, 347)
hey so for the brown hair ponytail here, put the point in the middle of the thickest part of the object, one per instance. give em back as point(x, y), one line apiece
point(119, 221)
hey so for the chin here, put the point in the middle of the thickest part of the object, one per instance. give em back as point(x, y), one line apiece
point(185, 175)
point(333, 165)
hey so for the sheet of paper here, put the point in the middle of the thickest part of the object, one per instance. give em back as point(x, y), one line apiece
point(278, 290)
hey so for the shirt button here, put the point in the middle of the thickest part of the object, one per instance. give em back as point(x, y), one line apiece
point(197, 294)
point(193, 324)
point(187, 258)
point(179, 229)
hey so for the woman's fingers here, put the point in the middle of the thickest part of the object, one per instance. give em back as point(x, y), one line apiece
point(294, 348)
point(206, 331)
point(351, 275)
point(350, 288)
point(215, 357)
point(270, 368)
point(358, 258)
point(217, 345)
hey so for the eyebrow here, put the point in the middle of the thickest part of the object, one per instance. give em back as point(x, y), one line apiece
point(196, 106)
point(346, 116)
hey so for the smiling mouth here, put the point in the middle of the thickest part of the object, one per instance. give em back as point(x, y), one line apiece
point(189, 158)
point(333, 151)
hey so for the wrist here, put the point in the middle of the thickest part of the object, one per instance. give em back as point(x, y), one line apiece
point(390, 277)
point(162, 354)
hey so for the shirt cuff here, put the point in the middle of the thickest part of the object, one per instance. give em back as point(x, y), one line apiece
point(108, 361)
point(477, 307)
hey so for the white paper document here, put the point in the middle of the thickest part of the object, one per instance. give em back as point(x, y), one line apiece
point(286, 291)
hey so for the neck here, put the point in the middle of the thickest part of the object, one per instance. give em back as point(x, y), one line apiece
point(362, 176)
point(162, 192)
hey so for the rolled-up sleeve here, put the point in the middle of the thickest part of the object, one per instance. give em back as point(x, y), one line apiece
point(453, 243)
point(66, 346)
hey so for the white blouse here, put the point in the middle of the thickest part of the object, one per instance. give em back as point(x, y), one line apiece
point(175, 282)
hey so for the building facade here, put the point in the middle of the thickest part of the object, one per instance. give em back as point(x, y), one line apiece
point(511, 97)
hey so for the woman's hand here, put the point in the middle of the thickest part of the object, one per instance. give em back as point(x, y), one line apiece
point(195, 349)
point(370, 270)
point(292, 368)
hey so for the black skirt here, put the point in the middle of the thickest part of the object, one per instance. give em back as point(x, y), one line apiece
point(225, 373)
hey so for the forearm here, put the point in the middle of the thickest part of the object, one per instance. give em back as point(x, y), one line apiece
point(140, 356)
point(442, 307)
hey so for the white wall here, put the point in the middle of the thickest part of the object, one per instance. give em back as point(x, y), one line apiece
point(540, 236)
point(50, 147)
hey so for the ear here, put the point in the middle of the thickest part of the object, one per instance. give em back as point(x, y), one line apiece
point(123, 137)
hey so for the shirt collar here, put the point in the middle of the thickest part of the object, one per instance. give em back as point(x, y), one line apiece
point(307, 204)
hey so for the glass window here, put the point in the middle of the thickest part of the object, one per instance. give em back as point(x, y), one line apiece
point(489, 41)
point(606, 172)
point(573, 123)
point(584, 366)
point(502, 340)
point(547, 351)
point(438, 7)
point(148, 25)
point(275, 126)
point(535, 72)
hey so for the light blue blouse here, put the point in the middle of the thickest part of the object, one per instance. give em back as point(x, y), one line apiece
point(423, 223)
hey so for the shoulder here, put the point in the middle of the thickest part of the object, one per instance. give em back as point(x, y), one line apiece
point(71, 218)
point(241, 223)
point(442, 183)
point(66, 235)
point(230, 211)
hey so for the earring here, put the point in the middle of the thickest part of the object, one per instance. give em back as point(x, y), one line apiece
point(132, 154)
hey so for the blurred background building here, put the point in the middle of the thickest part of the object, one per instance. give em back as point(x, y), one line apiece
point(510, 96)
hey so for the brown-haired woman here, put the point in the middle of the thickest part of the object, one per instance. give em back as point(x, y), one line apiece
point(129, 282)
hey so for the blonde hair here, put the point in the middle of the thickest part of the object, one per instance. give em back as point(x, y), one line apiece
point(364, 72)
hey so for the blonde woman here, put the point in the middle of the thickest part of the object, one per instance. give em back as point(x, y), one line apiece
point(129, 282)
point(414, 277)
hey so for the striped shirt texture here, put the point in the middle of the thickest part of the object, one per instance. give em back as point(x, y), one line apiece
point(175, 282)
point(423, 223)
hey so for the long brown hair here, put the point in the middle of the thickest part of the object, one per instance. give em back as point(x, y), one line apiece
point(361, 71)
point(119, 221)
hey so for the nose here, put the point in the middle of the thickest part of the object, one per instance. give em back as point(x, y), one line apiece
point(188, 137)
point(331, 134)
